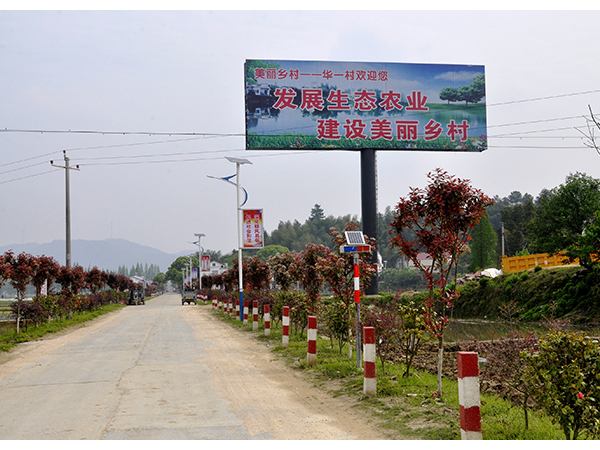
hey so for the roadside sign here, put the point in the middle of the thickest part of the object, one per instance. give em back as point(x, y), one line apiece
point(355, 248)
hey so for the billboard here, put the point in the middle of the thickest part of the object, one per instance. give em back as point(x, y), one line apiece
point(252, 228)
point(326, 105)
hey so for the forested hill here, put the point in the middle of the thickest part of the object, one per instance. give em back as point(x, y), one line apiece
point(515, 210)
point(295, 235)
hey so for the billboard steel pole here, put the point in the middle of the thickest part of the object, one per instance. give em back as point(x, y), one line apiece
point(368, 182)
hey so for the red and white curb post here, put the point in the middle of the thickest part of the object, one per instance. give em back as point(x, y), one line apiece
point(267, 320)
point(370, 355)
point(285, 327)
point(237, 310)
point(311, 355)
point(357, 307)
point(468, 395)
point(255, 315)
point(214, 301)
point(245, 313)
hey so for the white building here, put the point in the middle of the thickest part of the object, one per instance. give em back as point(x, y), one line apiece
point(424, 259)
point(216, 268)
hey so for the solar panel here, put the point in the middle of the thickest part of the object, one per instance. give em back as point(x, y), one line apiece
point(355, 237)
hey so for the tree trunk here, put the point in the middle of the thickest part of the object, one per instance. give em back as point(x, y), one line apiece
point(526, 413)
point(18, 312)
point(439, 365)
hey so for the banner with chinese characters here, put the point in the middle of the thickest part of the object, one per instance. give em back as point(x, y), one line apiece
point(325, 105)
point(252, 228)
point(205, 263)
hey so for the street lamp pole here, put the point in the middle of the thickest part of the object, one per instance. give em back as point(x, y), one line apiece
point(238, 162)
point(199, 236)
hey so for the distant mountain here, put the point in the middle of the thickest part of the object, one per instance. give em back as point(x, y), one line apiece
point(107, 255)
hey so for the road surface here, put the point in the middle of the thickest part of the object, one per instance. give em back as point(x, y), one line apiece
point(164, 371)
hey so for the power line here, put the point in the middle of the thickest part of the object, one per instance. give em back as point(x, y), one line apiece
point(286, 153)
point(27, 176)
point(28, 159)
point(203, 134)
point(122, 133)
point(545, 98)
point(97, 147)
point(535, 121)
point(156, 155)
point(517, 133)
point(21, 168)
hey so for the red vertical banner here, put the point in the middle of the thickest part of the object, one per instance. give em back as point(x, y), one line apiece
point(205, 263)
point(253, 228)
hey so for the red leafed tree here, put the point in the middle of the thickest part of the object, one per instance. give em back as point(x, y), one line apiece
point(256, 273)
point(95, 279)
point(441, 216)
point(5, 267)
point(124, 283)
point(47, 269)
point(78, 280)
point(23, 268)
point(338, 268)
point(72, 279)
point(306, 272)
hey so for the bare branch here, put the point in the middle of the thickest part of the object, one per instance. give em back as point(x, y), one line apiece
point(592, 123)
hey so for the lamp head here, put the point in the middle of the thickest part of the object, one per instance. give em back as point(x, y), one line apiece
point(237, 160)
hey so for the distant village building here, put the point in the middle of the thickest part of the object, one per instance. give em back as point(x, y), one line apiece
point(217, 268)
point(139, 280)
point(424, 259)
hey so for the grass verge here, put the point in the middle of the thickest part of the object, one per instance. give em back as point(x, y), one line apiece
point(9, 337)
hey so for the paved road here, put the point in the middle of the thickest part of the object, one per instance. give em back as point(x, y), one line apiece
point(153, 372)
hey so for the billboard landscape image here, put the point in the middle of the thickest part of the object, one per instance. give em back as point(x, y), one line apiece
point(325, 105)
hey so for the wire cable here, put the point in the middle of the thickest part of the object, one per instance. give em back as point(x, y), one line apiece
point(27, 176)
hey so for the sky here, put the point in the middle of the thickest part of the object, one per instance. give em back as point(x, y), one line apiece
point(160, 96)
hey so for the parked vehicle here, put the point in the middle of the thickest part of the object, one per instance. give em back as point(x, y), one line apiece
point(188, 295)
point(136, 297)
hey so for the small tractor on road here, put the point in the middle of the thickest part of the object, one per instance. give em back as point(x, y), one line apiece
point(188, 294)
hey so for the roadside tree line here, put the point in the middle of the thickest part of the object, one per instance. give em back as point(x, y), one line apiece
point(80, 290)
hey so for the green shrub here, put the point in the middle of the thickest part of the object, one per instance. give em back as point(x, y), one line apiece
point(565, 375)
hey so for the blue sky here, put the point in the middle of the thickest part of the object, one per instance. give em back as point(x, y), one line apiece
point(161, 97)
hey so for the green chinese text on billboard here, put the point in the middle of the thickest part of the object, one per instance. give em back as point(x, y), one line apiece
point(325, 105)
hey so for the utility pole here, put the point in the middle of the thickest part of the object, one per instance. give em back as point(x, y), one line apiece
point(503, 239)
point(68, 203)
